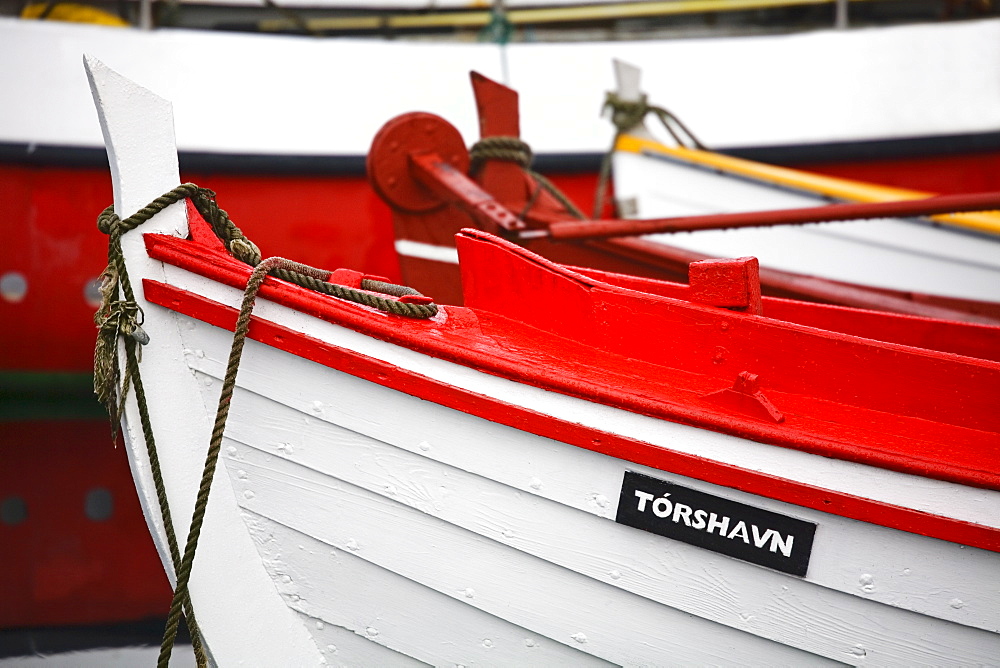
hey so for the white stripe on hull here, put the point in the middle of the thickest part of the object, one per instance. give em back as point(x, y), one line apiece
point(885, 253)
point(893, 85)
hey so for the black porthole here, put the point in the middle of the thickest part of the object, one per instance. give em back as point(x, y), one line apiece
point(99, 505)
point(13, 510)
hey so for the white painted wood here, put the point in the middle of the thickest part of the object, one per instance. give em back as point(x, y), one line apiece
point(627, 77)
point(131, 192)
point(883, 565)
point(974, 505)
point(565, 613)
point(340, 646)
point(820, 86)
point(886, 253)
point(232, 594)
point(752, 599)
point(384, 609)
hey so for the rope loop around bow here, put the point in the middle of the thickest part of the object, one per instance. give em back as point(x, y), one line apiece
point(508, 149)
point(514, 149)
point(627, 114)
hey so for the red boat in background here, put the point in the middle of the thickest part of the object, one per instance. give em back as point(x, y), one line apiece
point(943, 267)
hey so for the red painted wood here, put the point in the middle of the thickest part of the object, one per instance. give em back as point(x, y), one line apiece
point(657, 260)
point(966, 339)
point(843, 396)
point(502, 188)
point(594, 229)
point(497, 108)
point(412, 134)
point(388, 375)
point(825, 366)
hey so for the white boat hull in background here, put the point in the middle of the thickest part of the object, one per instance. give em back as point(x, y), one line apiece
point(908, 255)
point(816, 87)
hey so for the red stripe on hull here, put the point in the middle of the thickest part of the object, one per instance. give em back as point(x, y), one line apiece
point(853, 405)
point(393, 377)
point(947, 174)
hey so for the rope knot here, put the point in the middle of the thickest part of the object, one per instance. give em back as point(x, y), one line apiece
point(509, 149)
point(626, 114)
point(245, 251)
point(115, 318)
point(107, 220)
point(513, 149)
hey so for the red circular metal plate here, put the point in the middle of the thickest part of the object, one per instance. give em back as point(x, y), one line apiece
point(389, 165)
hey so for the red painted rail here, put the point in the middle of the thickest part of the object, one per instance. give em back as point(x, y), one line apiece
point(598, 229)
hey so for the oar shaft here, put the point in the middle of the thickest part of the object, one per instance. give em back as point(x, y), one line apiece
point(598, 229)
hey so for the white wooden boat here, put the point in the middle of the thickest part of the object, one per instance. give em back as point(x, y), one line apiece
point(570, 470)
point(917, 90)
point(955, 256)
point(914, 94)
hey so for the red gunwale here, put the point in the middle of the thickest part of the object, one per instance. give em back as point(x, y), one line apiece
point(479, 338)
point(960, 445)
point(638, 452)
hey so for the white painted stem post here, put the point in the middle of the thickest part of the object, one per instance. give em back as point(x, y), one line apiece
point(233, 597)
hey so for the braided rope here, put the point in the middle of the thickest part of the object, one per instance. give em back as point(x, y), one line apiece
point(625, 115)
point(123, 318)
point(116, 317)
point(181, 593)
point(513, 149)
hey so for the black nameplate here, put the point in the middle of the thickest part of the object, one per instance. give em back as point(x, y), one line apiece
point(728, 527)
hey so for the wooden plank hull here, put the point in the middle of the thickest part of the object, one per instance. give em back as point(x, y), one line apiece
point(510, 537)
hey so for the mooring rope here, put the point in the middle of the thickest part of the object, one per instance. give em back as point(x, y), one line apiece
point(115, 318)
point(625, 115)
point(513, 149)
point(181, 594)
point(123, 318)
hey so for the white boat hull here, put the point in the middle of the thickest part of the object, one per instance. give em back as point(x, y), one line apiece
point(469, 541)
point(377, 503)
point(895, 254)
point(811, 88)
